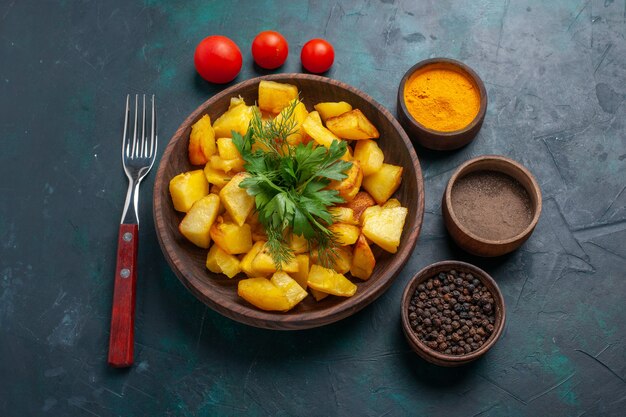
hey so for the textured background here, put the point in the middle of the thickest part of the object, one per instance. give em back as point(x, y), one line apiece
point(555, 76)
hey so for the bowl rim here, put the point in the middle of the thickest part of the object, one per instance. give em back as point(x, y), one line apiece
point(273, 320)
point(482, 109)
point(426, 352)
point(516, 165)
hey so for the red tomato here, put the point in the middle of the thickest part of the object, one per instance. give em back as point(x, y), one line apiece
point(217, 59)
point(317, 55)
point(269, 49)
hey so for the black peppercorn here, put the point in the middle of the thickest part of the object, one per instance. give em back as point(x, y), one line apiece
point(452, 313)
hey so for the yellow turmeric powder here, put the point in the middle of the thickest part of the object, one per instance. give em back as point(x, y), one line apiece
point(442, 99)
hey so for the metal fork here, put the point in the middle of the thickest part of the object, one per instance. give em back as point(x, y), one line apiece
point(138, 155)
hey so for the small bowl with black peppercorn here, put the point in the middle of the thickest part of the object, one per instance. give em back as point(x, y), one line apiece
point(452, 313)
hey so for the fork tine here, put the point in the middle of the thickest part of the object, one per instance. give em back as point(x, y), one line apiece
point(153, 142)
point(142, 145)
point(125, 146)
point(134, 148)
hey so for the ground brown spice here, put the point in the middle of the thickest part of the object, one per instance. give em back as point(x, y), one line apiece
point(492, 205)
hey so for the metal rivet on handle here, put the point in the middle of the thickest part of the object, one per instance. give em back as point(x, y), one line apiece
point(127, 237)
point(125, 273)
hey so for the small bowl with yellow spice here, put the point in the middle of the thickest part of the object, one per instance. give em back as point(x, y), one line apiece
point(441, 103)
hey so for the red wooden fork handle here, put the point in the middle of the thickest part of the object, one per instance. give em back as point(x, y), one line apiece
point(121, 341)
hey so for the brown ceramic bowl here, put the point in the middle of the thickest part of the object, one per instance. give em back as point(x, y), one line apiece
point(434, 139)
point(469, 241)
point(420, 347)
point(220, 293)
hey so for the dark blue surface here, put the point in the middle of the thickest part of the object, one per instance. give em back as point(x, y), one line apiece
point(555, 75)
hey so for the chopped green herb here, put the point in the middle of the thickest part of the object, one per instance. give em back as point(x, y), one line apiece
point(289, 184)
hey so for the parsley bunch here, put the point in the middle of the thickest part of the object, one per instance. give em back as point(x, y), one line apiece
point(289, 184)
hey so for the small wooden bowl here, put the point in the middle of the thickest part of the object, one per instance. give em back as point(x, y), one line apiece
point(469, 241)
point(435, 139)
point(420, 347)
point(220, 293)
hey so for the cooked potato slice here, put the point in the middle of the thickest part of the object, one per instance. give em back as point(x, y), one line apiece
point(231, 237)
point(264, 263)
point(344, 215)
point(384, 226)
point(382, 184)
point(363, 261)
point(220, 262)
point(227, 149)
point(313, 127)
point(369, 155)
point(216, 176)
point(391, 203)
point(328, 110)
point(187, 188)
point(352, 125)
point(238, 202)
point(246, 261)
point(302, 275)
point(201, 141)
point(294, 292)
point(346, 234)
point(273, 96)
point(343, 260)
point(329, 281)
point(262, 293)
point(299, 115)
point(359, 203)
point(318, 295)
point(236, 118)
point(226, 165)
point(298, 244)
point(196, 225)
point(349, 186)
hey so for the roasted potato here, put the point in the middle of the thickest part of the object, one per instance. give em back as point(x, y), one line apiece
point(220, 262)
point(231, 237)
point(330, 282)
point(201, 141)
point(227, 149)
point(346, 234)
point(196, 225)
point(369, 155)
point(262, 293)
point(187, 188)
point(226, 165)
point(238, 202)
point(349, 186)
point(216, 177)
point(344, 215)
point(382, 184)
point(359, 203)
point(300, 114)
point(246, 260)
point(328, 110)
point(363, 261)
point(273, 96)
point(236, 118)
point(384, 226)
point(294, 292)
point(264, 263)
point(352, 125)
point(313, 127)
